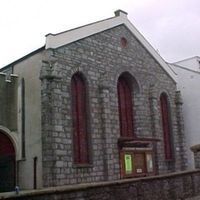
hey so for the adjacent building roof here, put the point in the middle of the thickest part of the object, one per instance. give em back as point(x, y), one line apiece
point(22, 58)
point(192, 64)
point(190, 58)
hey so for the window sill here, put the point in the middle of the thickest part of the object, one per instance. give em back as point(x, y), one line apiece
point(169, 160)
point(82, 165)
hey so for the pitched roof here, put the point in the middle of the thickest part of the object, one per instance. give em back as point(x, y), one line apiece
point(22, 58)
point(57, 40)
point(190, 58)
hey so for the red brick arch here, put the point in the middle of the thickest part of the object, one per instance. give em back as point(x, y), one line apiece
point(6, 146)
point(7, 164)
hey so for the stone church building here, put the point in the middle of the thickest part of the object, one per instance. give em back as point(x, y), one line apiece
point(96, 103)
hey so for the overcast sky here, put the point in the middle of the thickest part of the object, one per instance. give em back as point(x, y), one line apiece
point(171, 26)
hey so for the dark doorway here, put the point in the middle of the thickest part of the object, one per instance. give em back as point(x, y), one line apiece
point(7, 164)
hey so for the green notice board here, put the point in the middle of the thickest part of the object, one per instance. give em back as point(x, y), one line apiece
point(128, 163)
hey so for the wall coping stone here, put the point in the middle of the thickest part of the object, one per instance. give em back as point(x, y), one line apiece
point(195, 148)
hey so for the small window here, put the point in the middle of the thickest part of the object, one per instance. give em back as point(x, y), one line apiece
point(124, 42)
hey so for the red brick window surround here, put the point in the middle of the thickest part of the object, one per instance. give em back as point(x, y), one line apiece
point(125, 106)
point(165, 114)
point(6, 147)
point(79, 112)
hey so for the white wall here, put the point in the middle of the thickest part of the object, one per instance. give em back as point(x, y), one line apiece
point(188, 83)
point(191, 63)
point(29, 69)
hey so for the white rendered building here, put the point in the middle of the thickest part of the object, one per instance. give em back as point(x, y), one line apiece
point(188, 81)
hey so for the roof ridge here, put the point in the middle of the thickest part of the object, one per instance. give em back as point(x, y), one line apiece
point(72, 29)
point(198, 57)
point(185, 68)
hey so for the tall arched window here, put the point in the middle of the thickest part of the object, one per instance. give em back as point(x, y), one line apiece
point(80, 136)
point(125, 107)
point(165, 113)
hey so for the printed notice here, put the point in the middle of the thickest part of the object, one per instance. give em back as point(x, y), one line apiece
point(139, 170)
point(149, 162)
point(128, 163)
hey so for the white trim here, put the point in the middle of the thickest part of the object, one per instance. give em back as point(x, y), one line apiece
point(14, 75)
point(151, 50)
point(58, 40)
point(2, 73)
point(55, 41)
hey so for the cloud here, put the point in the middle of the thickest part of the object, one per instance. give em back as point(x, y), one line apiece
point(171, 26)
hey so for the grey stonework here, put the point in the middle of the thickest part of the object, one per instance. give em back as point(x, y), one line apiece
point(197, 159)
point(175, 186)
point(101, 60)
point(180, 151)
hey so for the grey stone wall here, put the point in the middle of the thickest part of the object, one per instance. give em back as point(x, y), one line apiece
point(176, 186)
point(197, 159)
point(101, 59)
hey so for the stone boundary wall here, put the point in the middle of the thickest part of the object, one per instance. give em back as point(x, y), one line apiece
point(172, 186)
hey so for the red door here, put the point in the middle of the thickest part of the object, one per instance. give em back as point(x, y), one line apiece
point(7, 164)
